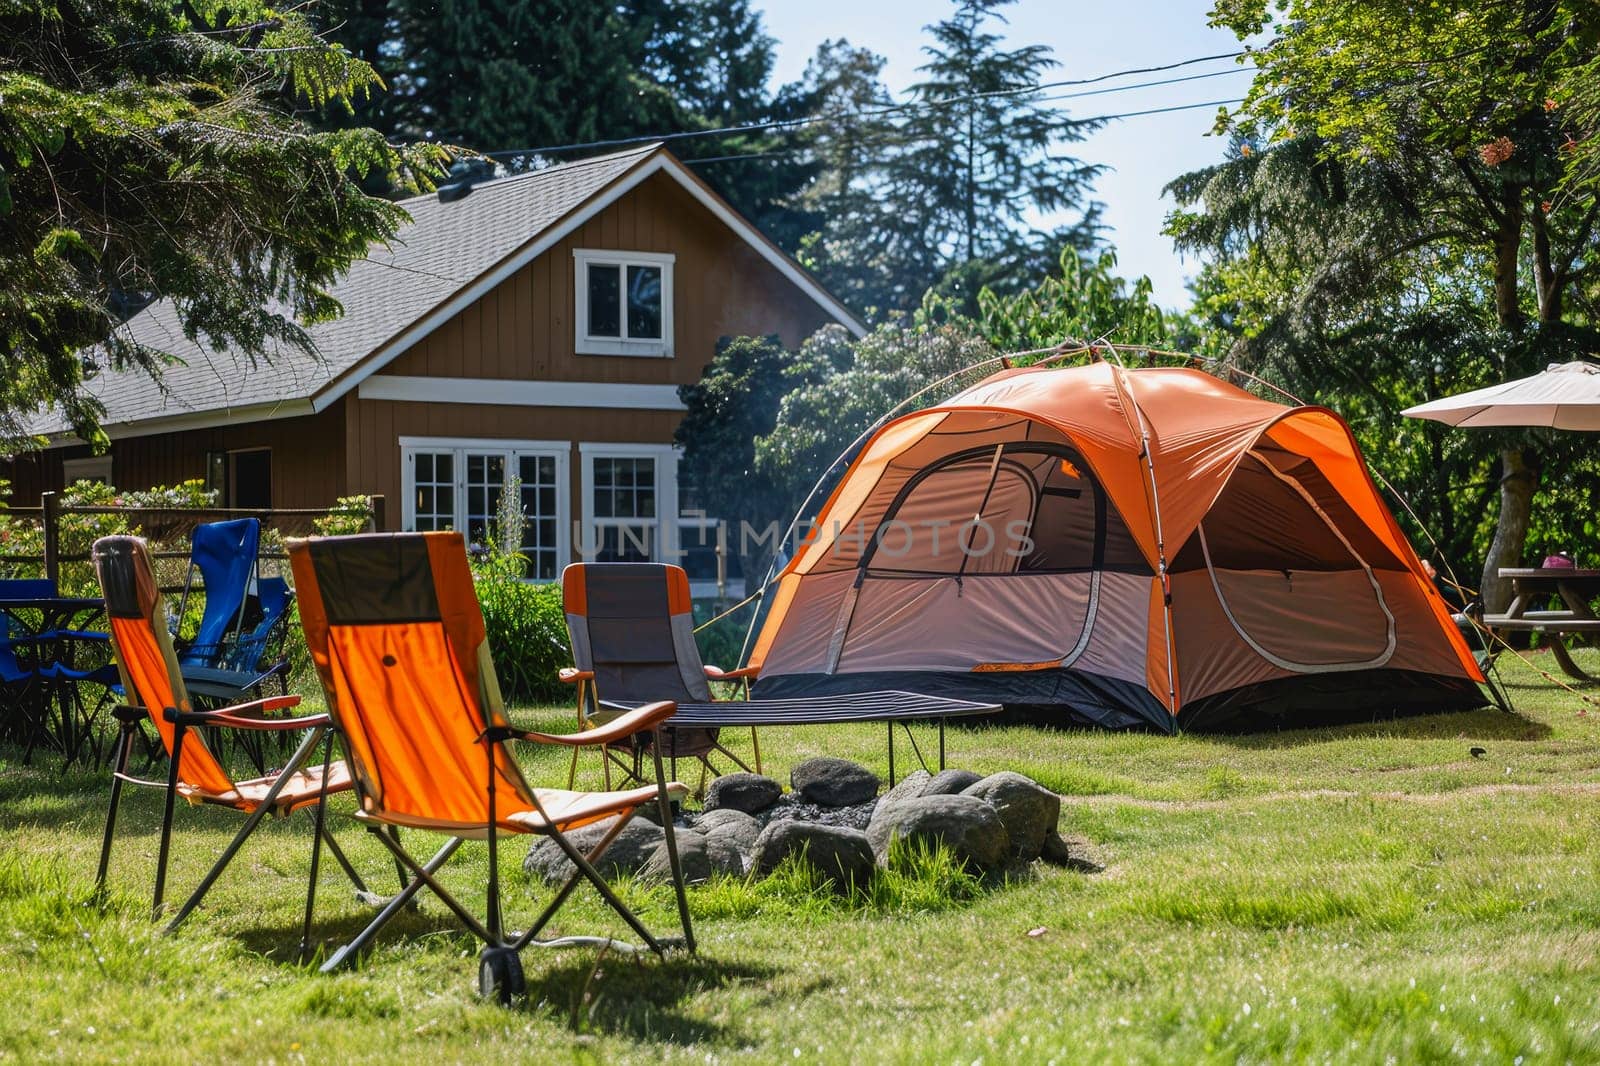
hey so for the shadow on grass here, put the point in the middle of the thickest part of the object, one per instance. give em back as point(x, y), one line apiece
point(587, 991)
point(1485, 723)
point(641, 998)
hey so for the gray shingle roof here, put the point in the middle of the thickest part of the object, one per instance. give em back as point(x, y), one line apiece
point(443, 249)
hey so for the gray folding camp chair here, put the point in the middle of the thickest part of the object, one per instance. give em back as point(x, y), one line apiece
point(632, 632)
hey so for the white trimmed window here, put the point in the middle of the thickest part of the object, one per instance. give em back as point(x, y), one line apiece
point(624, 303)
point(458, 484)
point(627, 488)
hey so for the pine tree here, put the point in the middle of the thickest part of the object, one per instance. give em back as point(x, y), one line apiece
point(147, 151)
point(496, 75)
point(981, 162)
point(843, 90)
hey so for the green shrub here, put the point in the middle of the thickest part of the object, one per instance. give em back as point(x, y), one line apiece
point(527, 633)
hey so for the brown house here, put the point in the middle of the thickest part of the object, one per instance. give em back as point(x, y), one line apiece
point(536, 329)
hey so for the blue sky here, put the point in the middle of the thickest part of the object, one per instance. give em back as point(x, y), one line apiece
point(1142, 153)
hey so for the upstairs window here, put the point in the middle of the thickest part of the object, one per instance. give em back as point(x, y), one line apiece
point(624, 303)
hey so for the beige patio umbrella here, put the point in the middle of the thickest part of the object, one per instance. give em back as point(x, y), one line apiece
point(1565, 396)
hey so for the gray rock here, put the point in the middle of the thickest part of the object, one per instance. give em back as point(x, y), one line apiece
point(830, 782)
point(969, 827)
point(726, 856)
point(840, 854)
point(736, 827)
point(627, 854)
point(701, 857)
point(692, 856)
point(1029, 810)
point(1074, 854)
point(706, 821)
point(742, 792)
point(951, 782)
point(909, 787)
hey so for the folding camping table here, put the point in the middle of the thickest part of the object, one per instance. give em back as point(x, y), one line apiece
point(48, 626)
point(888, 706)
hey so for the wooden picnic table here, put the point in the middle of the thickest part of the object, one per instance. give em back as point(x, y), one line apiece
point(1575, 589)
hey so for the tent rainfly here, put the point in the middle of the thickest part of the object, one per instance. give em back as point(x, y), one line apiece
point(1127, 547)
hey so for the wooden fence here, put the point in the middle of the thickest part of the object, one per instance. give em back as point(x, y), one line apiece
point(164, 524)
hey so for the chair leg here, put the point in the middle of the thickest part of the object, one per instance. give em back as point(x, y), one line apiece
point(125, 742)
point(423, 875)
point(572, 882)
point(755, 743)
point(267, 805)
point(344, 862)
point(347, 954)
point(166, 822)
point(665, 806)
point(317, 833)
point(586, 868)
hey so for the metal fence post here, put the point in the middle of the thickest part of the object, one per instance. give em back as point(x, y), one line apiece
point(378, 519)
point(50, 506)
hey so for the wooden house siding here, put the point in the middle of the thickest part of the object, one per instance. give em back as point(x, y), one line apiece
point(524, 329)
point(307, 461)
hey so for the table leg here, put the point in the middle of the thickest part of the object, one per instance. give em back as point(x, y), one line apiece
point(1564, 660)
point(891, 753)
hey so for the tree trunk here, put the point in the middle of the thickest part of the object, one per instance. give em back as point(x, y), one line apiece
point(1517, 482)
point(1516, 477)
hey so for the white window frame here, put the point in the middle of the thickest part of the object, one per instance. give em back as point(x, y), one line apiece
point(653, 348)
point(664, 536)
point(87, 468)
point(511, 450)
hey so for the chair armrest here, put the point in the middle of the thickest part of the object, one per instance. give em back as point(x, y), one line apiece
point(718, 674)
point(637, 720)
point(267, 725)
point(78, 634)
point(248, 715)
point(572, 675)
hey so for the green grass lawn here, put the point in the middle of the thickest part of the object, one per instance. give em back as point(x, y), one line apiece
point(1369, 893)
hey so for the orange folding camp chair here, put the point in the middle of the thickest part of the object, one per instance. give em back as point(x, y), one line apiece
point(395, 631)
point(155, 691)
point(632, 632)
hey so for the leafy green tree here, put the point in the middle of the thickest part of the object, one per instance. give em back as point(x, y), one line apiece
point(846, 384)
point(1084, 302)
point(145, 152)
point(734, 403)
point(1405, 210)
point(981, 159)
point(764, 424)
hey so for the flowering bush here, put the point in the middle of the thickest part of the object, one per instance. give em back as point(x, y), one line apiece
point(349, 514)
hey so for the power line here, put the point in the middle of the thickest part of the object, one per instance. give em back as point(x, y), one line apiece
point(791, 123)
point(779, 152)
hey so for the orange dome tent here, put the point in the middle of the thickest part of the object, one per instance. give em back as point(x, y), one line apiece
point(1123, 546)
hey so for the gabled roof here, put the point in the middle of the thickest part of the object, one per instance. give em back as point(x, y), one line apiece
point(446, 257)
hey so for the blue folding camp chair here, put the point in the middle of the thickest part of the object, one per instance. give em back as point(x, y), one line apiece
point(223, 554)
point(257, 655)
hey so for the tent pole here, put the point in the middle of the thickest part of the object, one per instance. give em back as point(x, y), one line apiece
point(1143, 431)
